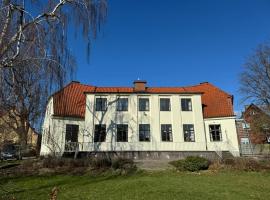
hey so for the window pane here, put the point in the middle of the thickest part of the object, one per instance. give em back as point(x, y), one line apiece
point(165, 104)
point(72, 133)
point(215, 132)
point(144, 132)
point(122, 133)
point(166, 132)
point(122, 104)
point(101, 104)
point(189, 135)
point(186, 104)
point(100, 133)
point(143, 104)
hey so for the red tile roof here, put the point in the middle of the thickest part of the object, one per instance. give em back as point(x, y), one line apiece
point(71, 100)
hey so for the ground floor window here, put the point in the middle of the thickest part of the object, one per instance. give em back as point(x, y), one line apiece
point(166, 133)
point(72, 133)
point(189, 134)
point(122, 133)
point(100, 133)
point(215, 132)
point(144, 132)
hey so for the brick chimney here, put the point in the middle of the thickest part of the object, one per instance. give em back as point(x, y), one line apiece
point(139, 86)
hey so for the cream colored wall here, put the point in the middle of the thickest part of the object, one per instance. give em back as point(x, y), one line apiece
point(133, 118)
point(229, 135)
point(154, 117)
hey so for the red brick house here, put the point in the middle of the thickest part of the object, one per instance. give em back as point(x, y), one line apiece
point(247, 127)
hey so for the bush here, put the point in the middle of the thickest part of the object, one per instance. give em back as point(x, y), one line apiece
point(101, 163)
point(246, 164)
point(123, 163)
point(191, 163)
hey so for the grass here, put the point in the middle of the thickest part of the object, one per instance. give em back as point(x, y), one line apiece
point(145, 185)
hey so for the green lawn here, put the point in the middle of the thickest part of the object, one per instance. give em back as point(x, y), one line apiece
point(157, 185)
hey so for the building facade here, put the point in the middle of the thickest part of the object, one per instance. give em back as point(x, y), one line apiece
point(147, 120)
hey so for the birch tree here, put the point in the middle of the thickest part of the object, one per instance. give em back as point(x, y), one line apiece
point(35, 58)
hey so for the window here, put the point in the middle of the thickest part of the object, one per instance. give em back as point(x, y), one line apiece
point(166, 132)
point(144, 132)
point(165, 104)
point(122, 104)
point(101, 104)
point(72, 133)
point(245, 125)
point(189, 135)
point(186, 104)
point(143, 104)
point(215, 132)
point(122, 133)
point(100, 133)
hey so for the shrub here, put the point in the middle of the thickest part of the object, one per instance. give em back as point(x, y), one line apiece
point(191, 163)
point(123, 163)
point(101, 163)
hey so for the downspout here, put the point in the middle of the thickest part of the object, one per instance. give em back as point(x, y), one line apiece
point(206, 147)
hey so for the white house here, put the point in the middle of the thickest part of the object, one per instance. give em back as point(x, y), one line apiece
point(140, 121)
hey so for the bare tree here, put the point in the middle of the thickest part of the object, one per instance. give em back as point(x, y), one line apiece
point(255, 86)
point(34, 55)
point(255, 79)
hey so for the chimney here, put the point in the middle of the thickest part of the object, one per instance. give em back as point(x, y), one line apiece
point(139, 86)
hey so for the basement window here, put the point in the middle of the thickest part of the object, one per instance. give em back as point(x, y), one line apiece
point(122, 133)
point(186, 104)
point(215, 132)
point(189, 134)
point(144, 132)
point(100, 133)
point(166, 133)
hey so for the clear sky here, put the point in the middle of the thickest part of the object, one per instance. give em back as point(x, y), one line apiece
point(175, 43)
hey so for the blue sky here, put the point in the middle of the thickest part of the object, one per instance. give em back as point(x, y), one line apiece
point(175, 43)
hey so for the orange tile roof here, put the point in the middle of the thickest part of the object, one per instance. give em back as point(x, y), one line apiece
point(71, 100)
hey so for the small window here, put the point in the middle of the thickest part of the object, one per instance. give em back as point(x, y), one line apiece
point(215, 132)
point(101, 104)
point(166, 132)
point(122, 104)
point(186, 104)
point(144, 132)
point(100, 133)
point(72, 133)
point(189, 135)
point(165, 104)
point(245, 125)
point(143, 104)
point(122, 133)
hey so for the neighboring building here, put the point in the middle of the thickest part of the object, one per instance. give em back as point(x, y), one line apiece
point(140, 121)
point(247, 131)
point(9, 129)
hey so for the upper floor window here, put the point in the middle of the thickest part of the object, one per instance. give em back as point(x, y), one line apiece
point(100, 133)
point(189, 134)
point(144, 132)
point(101, 104)
point(165, 104)
point(143, 104)
point(122, 104)
point(215, 132)
point(186, 104)
point(122, 133)
point(166, 132)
